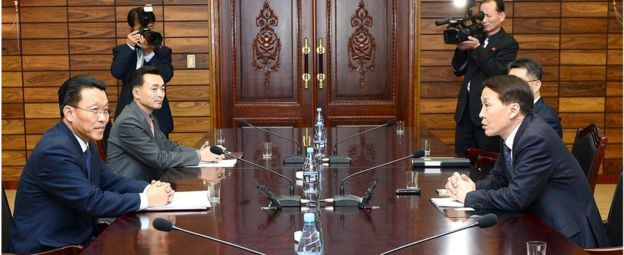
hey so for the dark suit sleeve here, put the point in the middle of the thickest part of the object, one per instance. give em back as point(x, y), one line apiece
point(122, 57)
point(135, 140)
point(528, 179)
point(62, 177)
point(163, 62)
point(495, 63)
point(459, 62)
point(112, 182)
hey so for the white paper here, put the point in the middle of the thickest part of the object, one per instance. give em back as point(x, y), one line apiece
point(446, 202)
point(222, 163)
point(185, 200)
point(442, 192)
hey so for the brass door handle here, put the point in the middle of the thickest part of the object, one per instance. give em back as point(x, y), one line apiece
point(306, 73)
point(320, 50)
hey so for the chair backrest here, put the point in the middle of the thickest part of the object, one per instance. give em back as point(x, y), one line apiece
point(481, 162)
point(614, 220)
point(588, 149)
point(7, 223)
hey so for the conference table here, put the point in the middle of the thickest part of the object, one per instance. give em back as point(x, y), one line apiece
point(392, 220)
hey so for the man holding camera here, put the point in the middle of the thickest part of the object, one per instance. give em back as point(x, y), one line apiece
point(478, 60)
point(143, 47)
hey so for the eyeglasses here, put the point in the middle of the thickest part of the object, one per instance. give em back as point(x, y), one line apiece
point(105, 112)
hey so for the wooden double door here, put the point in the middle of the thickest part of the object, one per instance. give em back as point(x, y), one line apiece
point(278, 60)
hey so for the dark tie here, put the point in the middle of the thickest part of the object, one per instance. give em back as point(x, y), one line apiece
point(87, 156)
point(507, 155)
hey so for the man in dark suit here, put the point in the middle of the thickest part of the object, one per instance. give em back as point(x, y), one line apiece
point(135, 53)
point(136, 147)
point(530, 71)
point(65, 186)
point(477, 61)
point(536, 173)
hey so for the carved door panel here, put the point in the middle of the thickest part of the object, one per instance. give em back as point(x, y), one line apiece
point(360, 50)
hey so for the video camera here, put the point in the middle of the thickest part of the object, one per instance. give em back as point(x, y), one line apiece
point(146, 16)
point(458, 31)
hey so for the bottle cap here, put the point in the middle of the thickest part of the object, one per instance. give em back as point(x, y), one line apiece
point(310, 150)
point(308, 217)
point(318, 109)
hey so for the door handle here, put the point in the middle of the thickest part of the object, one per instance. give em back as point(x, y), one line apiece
point(306, 73)
point(320, 50)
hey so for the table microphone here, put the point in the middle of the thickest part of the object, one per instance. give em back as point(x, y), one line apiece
point(297, 159)
point(166, 226)
point(484, 221)
point(352, 200)
point(336, 159)
point(286, 201)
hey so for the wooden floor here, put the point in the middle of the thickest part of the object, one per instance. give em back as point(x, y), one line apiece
point(603, 195)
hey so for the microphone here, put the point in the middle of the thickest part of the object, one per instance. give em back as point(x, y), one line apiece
point(335, 159)
point(286, 201)
point(297, 159)
point(352, 200)
point(166, 226)
point(484, 221)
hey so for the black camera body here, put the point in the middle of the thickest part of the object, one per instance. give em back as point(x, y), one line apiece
point(458, 29)
point(146, 16)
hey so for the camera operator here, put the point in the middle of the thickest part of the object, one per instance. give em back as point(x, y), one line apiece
point(478, 60)
point(143, 47)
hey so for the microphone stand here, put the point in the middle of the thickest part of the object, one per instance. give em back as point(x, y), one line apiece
point(290, 200)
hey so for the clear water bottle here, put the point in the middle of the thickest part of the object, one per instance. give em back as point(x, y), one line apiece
point(310, 242)
point(310, 174)
point(320, 136)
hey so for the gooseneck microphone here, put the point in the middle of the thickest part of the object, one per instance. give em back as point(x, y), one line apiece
point(484, 221)
point(416, 154)
point(336, 159)
point(166, 226)
point(297, 159)
point(350, 200)
point(288, 201)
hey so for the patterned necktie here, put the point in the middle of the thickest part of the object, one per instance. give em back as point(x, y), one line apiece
point(507, 155)
point(87, 156)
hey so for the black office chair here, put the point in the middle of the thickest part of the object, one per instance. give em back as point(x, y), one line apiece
point(7, 223)
point(481, 162)
point(588, 149)
point(613, 224)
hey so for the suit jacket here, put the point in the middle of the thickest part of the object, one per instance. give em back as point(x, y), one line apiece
point(56, 204)
point(546, 180)
point(479, 64)
point(133, 150)
point(124, 65)
point(547, 113)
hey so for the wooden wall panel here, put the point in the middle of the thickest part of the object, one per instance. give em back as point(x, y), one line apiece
point(578, 43)
point(58, 39)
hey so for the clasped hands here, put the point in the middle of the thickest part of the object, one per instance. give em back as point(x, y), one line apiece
point(458, 185)
point(159, 193)
point(205, 155)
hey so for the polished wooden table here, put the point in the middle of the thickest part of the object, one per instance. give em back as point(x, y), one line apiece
point(238, 217)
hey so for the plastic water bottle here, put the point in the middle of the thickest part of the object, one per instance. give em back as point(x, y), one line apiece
point(310, 242)
point(310, 174)
point(320, 136)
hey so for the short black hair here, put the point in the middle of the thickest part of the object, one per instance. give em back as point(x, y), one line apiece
point(511, 89)
point(135, 14)
point(500, 4)
point(533, 68)
point(137, 77)
point(69, 92)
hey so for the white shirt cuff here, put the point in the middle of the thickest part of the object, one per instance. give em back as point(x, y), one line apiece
point(143, 197)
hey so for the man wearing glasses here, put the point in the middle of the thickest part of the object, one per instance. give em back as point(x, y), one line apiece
point(65, 186)
point(530, 71)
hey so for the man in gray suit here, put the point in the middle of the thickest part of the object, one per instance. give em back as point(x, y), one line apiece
point(136, 146)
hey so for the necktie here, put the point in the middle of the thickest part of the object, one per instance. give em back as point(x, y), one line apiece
point(87, 156)
point(507, 155)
